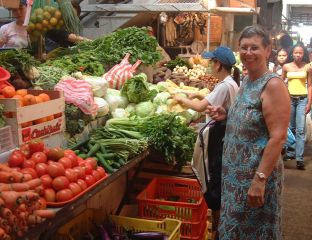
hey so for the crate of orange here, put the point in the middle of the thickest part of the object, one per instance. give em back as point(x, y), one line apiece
point(33, 113)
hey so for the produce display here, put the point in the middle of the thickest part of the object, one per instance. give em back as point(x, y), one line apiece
point(2, 121)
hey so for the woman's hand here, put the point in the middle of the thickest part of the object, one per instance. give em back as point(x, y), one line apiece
point(217, 113)
point(308, 108)
point(255, 197)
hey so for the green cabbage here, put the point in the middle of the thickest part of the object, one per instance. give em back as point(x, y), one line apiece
point(161, 98)
point(131, 109)
point(144, 109)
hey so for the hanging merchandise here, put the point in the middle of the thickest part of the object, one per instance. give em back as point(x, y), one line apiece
point(70, 17)
point(45, 15)
point(120, 73)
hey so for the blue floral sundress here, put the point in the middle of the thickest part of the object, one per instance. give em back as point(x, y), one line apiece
point(244, 142)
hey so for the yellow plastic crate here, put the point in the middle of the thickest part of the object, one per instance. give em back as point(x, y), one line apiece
point(171, 227)
point(81, 224)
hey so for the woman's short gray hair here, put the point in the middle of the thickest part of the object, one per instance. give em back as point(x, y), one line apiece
point(256, 30)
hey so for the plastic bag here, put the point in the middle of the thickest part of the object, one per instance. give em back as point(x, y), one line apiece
point(120, 73)
point(45, 15)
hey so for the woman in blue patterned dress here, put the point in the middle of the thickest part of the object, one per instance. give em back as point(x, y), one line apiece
point(256, 130)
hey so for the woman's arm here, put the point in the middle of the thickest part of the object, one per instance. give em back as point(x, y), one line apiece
point(198, 106)
point(276, 111)
point(309, 85)
point(284, 72)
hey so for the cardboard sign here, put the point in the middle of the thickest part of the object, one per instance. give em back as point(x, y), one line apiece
point(10, 3)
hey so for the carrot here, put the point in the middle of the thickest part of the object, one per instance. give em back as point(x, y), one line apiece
point(12, 220)
point(7, 229)
point(6, 177)
point(5, 167)
point(5, 213)
point(5, 187)
point(18, 177)
point(34, 183)
point(3, 222)
point(33, 220)
point(19, 187)
point(2, 233)
point(12, 198)
point(27, 177)
point(45, 213)
point(22, 207)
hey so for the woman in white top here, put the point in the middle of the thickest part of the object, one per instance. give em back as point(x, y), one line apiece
point(14, 34)
point(223, 94)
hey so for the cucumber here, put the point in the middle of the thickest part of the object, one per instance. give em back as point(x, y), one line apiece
point(83, 155)
point(115, 165)
point(78, 145)
point(121, 161)
point(103, 162)
point(94, 149)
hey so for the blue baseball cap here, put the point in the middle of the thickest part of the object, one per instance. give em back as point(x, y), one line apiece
point(223, 54)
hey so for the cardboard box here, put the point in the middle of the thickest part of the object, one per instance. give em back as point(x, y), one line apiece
point(10, 3)
point(18, 116)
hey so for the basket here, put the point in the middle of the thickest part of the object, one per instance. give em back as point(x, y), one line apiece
point(6, 139)
point(153, 203)
point(171, 227)
point(83, 223)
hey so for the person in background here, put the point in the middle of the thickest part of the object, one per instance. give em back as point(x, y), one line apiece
point(256, 130)
point(286, 42)
point(280, 61)
point(60, 37)
point(14, 34)
point(224, 93)
point(298, 75)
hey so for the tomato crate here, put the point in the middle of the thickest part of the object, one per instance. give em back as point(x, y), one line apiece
point(85, 222)
point(6, 139)
point(39, 120)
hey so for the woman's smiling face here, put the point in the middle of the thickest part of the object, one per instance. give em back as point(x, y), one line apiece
point(253, 53)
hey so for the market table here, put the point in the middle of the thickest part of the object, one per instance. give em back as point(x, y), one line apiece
point(47, 229)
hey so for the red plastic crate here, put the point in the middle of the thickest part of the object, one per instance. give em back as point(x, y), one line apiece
point(153, 203)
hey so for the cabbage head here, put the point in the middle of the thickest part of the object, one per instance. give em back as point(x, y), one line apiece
point(144, 109)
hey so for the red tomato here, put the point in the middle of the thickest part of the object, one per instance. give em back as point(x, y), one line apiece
point(55, 169)
point(36, 145)
point(55, 153)
point(16, 159)
point(82, 184)
point(42, 203)
point(72, 156)
point(60, 183)
point(90, 180)
point(92, 161)
point(80, 171)
point(25, 150)
point(41, 169)
point(46, 181)
point(30, 171)
point(66, 162)
point(75, 188)
point(101, 171)
point(64, 195)
point(87, 167)
point(49, 195)
point(39, 157)
point(96, 175)
point(71, 175)
point(80, 161)
point(29, 164)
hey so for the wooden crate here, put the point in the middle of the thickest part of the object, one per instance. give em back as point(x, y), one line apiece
point(18, 115)
point(243, 3)
point(10, 3)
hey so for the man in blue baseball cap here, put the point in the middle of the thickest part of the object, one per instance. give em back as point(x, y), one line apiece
point(222, 54)
point(224, 94)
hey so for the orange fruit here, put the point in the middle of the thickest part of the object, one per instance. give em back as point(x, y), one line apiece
point(41, 120)
point(57, 14)
point(26, 124)
point(45, 97)
point(21, 92)
point(20, 98)
point(53, 21)
point(49, 118)
point(29, 99)
point(8, 91)
point(38, 99)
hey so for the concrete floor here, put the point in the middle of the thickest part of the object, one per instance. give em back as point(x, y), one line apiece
point(297, 199)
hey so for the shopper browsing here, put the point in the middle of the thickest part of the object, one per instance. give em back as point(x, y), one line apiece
point(298, 78)
point(224, 93)
point(256, 130)
point(14, 34)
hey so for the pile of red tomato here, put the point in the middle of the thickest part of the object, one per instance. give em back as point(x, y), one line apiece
point(63, 174)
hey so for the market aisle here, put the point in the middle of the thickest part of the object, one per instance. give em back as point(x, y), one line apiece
point(297, 200)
